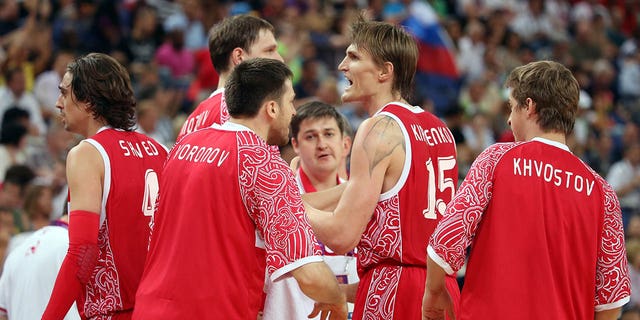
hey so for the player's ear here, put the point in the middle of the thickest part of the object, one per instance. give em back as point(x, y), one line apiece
point(386, 71)
point(530, 106)
point(294, 144)
point(346, 144)
point(271, 108)
point(236, 56)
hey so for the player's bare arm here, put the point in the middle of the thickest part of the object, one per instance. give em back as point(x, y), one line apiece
point(378, 153)
point(326, 199)
point(436, 301)
point(350, 291)
point(85, 174)
point(611, 314)
point(318, 282)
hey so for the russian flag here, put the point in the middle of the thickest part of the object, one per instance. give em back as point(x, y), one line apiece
point(437, 76)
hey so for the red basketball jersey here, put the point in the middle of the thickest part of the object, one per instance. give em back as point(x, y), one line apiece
point(209, 111)
point(392, 251)
point(546, 235)
point(227, 199)
point(132, 164)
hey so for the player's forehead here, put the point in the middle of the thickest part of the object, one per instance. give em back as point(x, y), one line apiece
point(265, 40)
point(66, 80)
point(289, 92)
point(358, 51)
point(321, 123)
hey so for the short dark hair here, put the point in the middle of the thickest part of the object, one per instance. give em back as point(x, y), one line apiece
point(239, 31)
point(12, 133)
point(10, 72)
point(104, 84)
point(554, 90)
point(252, 82)
point(318, 110)
point(15, 114)
point(20, 175)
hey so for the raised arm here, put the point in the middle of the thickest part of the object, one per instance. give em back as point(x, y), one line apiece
point(378, 142)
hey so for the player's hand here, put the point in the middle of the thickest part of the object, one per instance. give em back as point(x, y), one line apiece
point(436, 305)
point(329, 311)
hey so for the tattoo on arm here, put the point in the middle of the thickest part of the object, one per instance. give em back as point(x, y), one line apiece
point(380, 142)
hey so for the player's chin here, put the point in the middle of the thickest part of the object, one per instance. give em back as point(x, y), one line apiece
point(347, 97)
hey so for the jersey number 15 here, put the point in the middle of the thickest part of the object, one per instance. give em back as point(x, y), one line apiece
point(444, 164)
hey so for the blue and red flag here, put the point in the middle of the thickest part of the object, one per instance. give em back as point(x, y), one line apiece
point(437, 77)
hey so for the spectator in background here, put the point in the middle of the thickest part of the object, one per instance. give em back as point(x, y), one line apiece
point(629, 76)
point(174, 59)
point(175, 65)
point(46, 89)
point(471, 47)
point(478, 134)
point(144, 38)
point(13, 93)
point(148, 117)
point(189, 14)
point(633, 256)
point(48, 161)
point(308, 83)
point(534, 24)
point(13, 137)
point(12, 193)
point(37, 208)
point(624, 177)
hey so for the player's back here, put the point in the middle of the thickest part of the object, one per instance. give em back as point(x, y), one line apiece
point(392, 250)
point(199, 211)
point(535, 250)
point(209, 111)
point(133, 163)
point(426, 184)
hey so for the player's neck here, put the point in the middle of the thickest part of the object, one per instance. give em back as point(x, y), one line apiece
point(222, 80)
point(256, 125)
point(380, 100)
point(553, 136)
point(92, 128)
point(321, 180)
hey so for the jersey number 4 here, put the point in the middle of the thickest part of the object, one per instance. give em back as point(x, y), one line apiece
point(445, 164)
point(150, 193)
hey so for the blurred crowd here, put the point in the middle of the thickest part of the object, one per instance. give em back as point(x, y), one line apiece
point(164, 44)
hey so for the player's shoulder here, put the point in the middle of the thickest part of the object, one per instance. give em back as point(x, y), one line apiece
point(214, 100)
point(380, 122)
point(85, 148)
point(498, 151)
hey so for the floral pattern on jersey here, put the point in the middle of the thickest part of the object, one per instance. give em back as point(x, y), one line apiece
point(271, 197)
point(612, 275)
point(467, 206)
point(224, 111)
point(103, 291)
point(382, 238)
point(381, 295)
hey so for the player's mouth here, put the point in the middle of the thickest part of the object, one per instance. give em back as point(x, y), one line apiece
point(350, 82)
